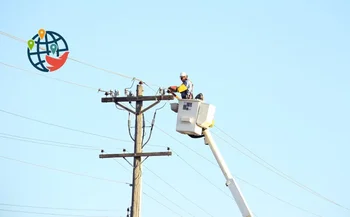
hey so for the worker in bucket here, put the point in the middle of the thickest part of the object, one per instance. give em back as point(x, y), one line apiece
point(185, 89)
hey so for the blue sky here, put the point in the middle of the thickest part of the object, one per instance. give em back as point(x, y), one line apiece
point(277, 72)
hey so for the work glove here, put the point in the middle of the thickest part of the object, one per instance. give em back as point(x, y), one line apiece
point(172, 88)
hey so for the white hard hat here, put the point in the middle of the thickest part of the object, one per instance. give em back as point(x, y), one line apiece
point(182, 74)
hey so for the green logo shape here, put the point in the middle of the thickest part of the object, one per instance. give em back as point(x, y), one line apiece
point(31, 44)
point(53, 48)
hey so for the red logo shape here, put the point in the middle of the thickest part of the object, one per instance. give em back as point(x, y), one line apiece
point(56, 63)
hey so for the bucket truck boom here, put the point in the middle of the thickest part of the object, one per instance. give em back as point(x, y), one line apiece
point(194, 117)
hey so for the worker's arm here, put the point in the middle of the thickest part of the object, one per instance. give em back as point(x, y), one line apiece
point(172, 89)
point(179, 89)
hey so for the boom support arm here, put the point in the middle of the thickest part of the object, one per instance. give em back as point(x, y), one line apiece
point(230, 182)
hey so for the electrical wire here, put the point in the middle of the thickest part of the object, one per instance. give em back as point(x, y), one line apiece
point(48, 77)
point(43, 143)
point(11, 36)
point(203, 176)
point(162, 195)
point(154, 189)
point(58, 208)
point(275, 170)
point(80, 86)
point(162, 204)
point(151, 130)
point(248, 183)
point(279, 199)
point(193, 169)
point(172, 187)
point(133, 81)
point(63, 171)
point(183, 144)
point(63, 127)
point(143, 127)
point(87, 64)
point(157, 191)
point(41, 213)
point(119, 108)
point(163, 180)
point(42, 140)
point(129, 130)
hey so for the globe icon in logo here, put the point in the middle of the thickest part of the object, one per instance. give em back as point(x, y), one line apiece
point(47, 51)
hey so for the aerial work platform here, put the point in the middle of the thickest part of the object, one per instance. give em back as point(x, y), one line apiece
point(194, 118)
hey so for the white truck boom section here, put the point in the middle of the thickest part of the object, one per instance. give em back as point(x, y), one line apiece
point(194, 117)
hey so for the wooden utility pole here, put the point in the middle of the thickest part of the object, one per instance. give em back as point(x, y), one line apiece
point(138, 153)
point(136, 182)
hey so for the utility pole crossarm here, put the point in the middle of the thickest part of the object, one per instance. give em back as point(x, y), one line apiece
point(137, 98)
point(142, 154)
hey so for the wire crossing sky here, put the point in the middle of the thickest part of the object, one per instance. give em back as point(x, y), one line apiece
point(277, 73)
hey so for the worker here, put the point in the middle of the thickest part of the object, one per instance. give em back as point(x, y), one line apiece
point(185, 89)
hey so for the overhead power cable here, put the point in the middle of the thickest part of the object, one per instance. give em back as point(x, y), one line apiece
point(162, 204)
point(275, 170)
point(160, 193)
point(279, 199)
point(48, 77)
point(87, 64)
point(147, 84)
point(41, 213)
point(58, 208)
point(63, 127)
point(180, 193)
point(248, 183)
point(63, 145)
point(63, 171)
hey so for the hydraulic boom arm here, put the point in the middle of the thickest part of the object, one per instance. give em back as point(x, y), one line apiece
point(230, 182)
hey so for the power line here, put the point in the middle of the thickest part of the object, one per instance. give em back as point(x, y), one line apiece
point(119, 74)
point(260, 189)
point(154, 189)
point(63, 127)
point(84, 63)
point(81, 86)
point(41, 213)
point(43, 140)
point(162, 204)
point(64, 171)
point(252, 185)
point(169, 184)
point(158, 193)
point(205, 158)
point(57, 208)
point(189, 200)
point(48, 144)
point(276, 170)
point(79, 175)
point(178, 206)
point(194, 169)
point(48, 77)
point(124, 140)
point(277, 198)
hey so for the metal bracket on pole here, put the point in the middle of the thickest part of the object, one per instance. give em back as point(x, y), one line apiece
point(128, 161)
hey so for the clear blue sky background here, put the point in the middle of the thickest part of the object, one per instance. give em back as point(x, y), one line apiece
point(277, 71)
